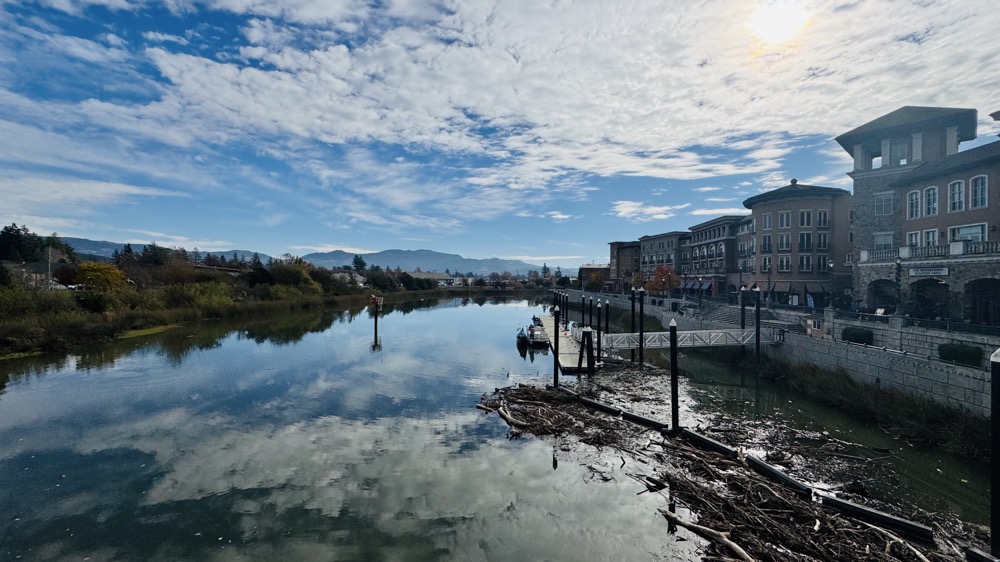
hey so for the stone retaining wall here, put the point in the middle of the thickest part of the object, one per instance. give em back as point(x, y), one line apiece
point(915, 371)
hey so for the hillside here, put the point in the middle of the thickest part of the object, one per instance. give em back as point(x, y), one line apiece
point(105, 249)
point(426, 260)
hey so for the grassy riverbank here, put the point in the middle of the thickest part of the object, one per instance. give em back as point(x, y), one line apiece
point(35, 322)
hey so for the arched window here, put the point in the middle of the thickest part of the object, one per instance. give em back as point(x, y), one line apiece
point(956, 196)
point(913, 205)
point(930, 201)
point(978, 193)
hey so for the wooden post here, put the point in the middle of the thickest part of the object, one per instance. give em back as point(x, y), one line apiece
point(555, 350)
point(607, 316)
point(583, 310)
point(674, 399)
point(590, 322)
point(995, 455)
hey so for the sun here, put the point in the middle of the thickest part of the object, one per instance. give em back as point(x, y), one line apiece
point(778, 21)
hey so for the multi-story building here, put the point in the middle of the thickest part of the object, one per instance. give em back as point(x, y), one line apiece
point(624, 265)
point(795, 245)
point(711, 249)
point(595, 277)
point(660, 249)
point(925, 220)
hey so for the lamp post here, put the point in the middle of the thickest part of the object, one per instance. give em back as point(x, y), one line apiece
point(555, 350)
point(632, 325)
point(598, 330)
point(741, 284)
point(642, 299)
point(829, 301)
point(684, 274)
point(701, 288)
point(756, 304)
point(743, 308)
point(590, 318)
point(607, 316)
point(899, 287)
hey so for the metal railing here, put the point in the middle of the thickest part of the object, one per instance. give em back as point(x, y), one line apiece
point(953, 326)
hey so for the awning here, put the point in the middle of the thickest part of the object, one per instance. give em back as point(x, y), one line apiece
point(810, 287)
point(781, 287)
point(686, 285)
point(706, 285)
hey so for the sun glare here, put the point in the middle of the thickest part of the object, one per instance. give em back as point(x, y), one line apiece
point(778, 22)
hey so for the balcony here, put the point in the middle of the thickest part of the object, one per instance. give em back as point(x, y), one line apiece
point(954, 250)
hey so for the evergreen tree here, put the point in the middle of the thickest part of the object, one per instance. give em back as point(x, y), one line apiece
point(359, 264)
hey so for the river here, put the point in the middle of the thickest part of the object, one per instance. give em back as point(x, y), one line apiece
point(291, 437)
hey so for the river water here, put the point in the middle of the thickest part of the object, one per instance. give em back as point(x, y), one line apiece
point(290, 437)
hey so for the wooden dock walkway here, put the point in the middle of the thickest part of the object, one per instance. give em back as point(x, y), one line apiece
point(569, 349)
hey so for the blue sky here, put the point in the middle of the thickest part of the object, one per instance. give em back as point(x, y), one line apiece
point(535, 130)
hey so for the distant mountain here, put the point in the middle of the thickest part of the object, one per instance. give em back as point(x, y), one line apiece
point(106, 249)
point(426, 260)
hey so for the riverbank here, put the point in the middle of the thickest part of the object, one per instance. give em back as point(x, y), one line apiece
point(763, 519)
point(61, 326)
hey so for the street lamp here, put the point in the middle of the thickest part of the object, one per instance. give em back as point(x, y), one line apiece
point(829, 301)
point(701, 288)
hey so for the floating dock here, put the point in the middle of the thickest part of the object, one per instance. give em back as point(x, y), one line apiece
point(569, 349)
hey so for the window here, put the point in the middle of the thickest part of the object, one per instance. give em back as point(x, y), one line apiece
point(930, 201)
point(784, 263)
point(805, 263)
point(821, 263)
point(956, 196)
point(805, 218)
point(913, 205)
point(805, 241)
point(883, 204)
point(767, 221)
point(883, 241)
point(765, 263)
point(931, 237)
point(822, 240)
point(765, 243)
point(898, 152)
point(784, 242)
point(977, 195)
point(822, 219)
point(785, 219)
point(971, 233)
point(912, 238)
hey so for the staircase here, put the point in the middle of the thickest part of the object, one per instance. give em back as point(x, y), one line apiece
point(731, 315)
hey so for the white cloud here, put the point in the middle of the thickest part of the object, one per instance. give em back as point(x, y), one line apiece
point(722, 211)
point(706, 189)
point(638, 211)
point(333, 248)
point(157, 37)
point(40, 196)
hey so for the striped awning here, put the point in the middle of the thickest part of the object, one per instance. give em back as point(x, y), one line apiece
point(781, 287)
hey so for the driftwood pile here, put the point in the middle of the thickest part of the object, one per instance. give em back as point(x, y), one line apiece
point(741, 514)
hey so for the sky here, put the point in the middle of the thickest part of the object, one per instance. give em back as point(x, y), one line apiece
point(537, 130)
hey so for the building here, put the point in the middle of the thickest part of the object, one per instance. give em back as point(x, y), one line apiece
point(595, 277)
point(795, 245)
point(660, 249)
point(711, 249)
point(624, 265)
point(924, 218)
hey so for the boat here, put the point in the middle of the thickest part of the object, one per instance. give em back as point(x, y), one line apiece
point(534, 336)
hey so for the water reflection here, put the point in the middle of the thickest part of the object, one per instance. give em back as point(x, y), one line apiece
point(287, 437)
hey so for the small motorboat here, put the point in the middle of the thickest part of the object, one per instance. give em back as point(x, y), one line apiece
point(534, 336)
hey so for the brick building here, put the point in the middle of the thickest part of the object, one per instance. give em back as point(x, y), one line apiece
point(924, 218)
point(624, 265)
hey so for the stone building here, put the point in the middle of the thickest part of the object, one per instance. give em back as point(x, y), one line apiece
point(924, 218)
point(795, 245)
point(660, 249)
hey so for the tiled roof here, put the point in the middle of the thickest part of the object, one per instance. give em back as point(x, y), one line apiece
point(907, 116)
point(794, 190)
point(964, 159)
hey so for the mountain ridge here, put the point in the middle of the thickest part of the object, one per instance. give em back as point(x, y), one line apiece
point(407, 260)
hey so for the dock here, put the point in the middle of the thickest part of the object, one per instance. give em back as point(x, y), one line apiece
point(569, 349)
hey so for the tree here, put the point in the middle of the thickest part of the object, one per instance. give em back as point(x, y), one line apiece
point(101, 277)
point(359, 264)
point(545, 270)
point(664, 280)
point(5, 279)
point(638, 280)
point(563, 281)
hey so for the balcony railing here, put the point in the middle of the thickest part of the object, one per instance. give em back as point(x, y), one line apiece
point(953, 250)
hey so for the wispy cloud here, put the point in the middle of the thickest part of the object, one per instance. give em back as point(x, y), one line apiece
point(638, 211)
point(722, 211)
point(705, 189)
